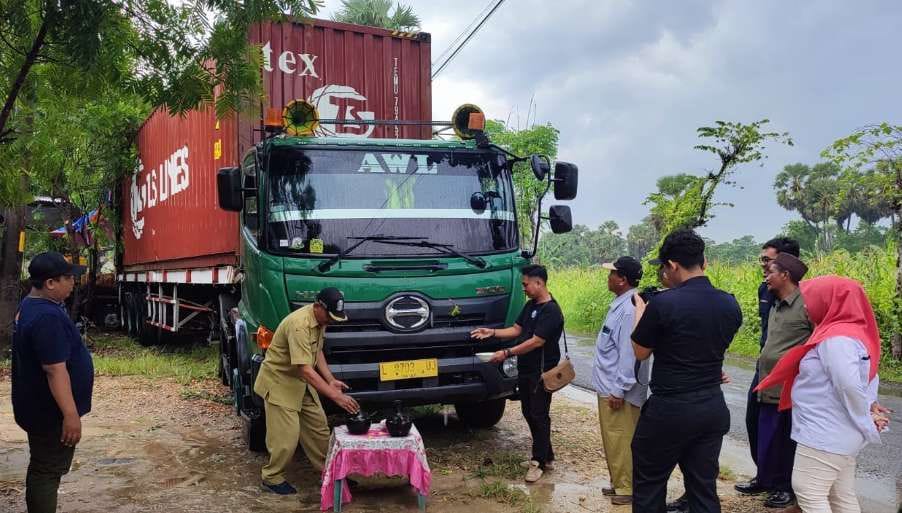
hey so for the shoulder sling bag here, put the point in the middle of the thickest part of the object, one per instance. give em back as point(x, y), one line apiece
point(561, 374)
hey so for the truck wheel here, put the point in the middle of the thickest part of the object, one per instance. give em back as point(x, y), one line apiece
point(481, 414)
point(226, 338)
point(253, 429)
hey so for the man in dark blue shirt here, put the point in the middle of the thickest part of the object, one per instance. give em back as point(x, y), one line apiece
point(52, 378)
point(688, 328)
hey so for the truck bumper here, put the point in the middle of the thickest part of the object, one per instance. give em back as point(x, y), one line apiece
point(460, 379)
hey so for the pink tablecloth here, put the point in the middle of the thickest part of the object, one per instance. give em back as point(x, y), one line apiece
point(372, 453)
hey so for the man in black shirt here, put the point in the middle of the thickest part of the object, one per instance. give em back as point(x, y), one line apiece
point(688, 328)
point(52, 378)
point(537, 331)
point(766, 299)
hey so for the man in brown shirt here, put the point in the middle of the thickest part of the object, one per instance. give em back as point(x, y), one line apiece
point(787, 327)
point(293, 376)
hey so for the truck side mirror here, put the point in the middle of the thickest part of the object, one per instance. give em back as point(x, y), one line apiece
point(228, 187)
point(566, 178)
point(560, 219)
point(540, 166)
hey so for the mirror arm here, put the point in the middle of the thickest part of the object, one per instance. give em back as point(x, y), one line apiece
point(539, 218)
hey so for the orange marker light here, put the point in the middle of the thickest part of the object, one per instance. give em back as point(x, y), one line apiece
point(264, 337)
point(273, 118)
point(476, 121)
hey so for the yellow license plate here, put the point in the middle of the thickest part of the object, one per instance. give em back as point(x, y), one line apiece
point(390, 371)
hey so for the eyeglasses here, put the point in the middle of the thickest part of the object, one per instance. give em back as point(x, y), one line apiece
point(765, 259)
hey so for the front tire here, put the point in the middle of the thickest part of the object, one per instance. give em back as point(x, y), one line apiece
point(481, 414)
point(253, 429)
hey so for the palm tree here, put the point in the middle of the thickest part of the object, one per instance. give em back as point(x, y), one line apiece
point(375, 13)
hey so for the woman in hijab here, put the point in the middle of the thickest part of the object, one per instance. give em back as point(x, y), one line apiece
point(830, 382)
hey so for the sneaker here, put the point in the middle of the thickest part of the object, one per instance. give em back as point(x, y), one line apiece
point(607, 492)
point(621, 500)
point(534, 473)
point(549, 465)
point(282, 488)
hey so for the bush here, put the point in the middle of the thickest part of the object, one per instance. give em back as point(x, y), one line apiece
point(584, 298)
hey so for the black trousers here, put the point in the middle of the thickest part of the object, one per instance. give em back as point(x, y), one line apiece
point(681, 429)
point(751, 418)
point(50, 460)
point(536, 405)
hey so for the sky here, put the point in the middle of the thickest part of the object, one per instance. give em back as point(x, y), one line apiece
point(627, 83)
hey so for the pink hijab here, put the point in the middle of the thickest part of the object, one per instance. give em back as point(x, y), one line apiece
point(836, 306)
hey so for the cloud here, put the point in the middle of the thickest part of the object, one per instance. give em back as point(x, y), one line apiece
point(628, 82)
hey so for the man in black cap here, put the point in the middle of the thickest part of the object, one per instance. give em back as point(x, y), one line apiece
point(688, 328)
point(616, 378)
point(52, 378)
point(293, 374)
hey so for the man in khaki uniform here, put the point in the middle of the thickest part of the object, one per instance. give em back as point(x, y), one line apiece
point(293, 374)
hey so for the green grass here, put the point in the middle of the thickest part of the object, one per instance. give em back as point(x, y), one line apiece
point(504, 465)
point(726, 474)
point(583, 295)
point(117, 355)
point(503, 493)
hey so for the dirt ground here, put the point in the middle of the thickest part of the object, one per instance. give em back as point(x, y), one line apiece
point(152, 446)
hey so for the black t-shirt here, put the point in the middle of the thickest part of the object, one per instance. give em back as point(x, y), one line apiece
point(689, 327)
point(546, 321)
point(45, 335)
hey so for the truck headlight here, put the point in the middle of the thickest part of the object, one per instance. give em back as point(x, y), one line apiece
point(509, 367)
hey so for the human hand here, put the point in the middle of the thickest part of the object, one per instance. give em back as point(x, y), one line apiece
point(725, 378)
point(880, 409)
point(498, 357)
point(482, 333)
point(640, 309)
point(71, 430)
point(347, 403)
point(615, 403)
point(339, 385)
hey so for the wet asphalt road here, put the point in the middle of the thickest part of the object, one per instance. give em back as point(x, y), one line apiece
point(879, 469)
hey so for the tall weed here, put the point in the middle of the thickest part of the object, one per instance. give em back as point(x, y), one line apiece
point(584, 298)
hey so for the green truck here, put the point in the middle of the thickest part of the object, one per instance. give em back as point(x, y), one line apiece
point(422, 238)
point(230, 224)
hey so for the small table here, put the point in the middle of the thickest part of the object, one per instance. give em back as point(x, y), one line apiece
point(374, 452)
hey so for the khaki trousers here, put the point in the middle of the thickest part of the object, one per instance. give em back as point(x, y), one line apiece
point(617, 428)
point(286, 427)
point(824, 482)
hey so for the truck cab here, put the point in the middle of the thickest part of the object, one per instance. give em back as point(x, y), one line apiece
point(421, 236)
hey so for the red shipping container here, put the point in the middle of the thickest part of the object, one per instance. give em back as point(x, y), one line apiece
point(171, 219)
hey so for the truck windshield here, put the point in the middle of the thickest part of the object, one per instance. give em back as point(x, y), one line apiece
point(320, 199)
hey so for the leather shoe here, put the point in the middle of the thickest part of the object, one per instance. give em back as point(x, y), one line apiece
point(621, 500)
point(681, 505)
point(750, 488)
point(779, 499)
point(607, 492)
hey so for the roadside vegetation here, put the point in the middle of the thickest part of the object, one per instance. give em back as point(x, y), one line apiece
point(117, 355)
point(583, 295)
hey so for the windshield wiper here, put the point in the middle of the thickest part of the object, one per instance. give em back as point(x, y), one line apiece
point(448, 249)
point(326, 265)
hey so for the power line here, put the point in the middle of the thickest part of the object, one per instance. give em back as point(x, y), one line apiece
point(467, 39)
point(464, 32)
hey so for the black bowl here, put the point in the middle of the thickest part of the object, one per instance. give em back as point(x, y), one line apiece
point(398, 427)
point(358, 424)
